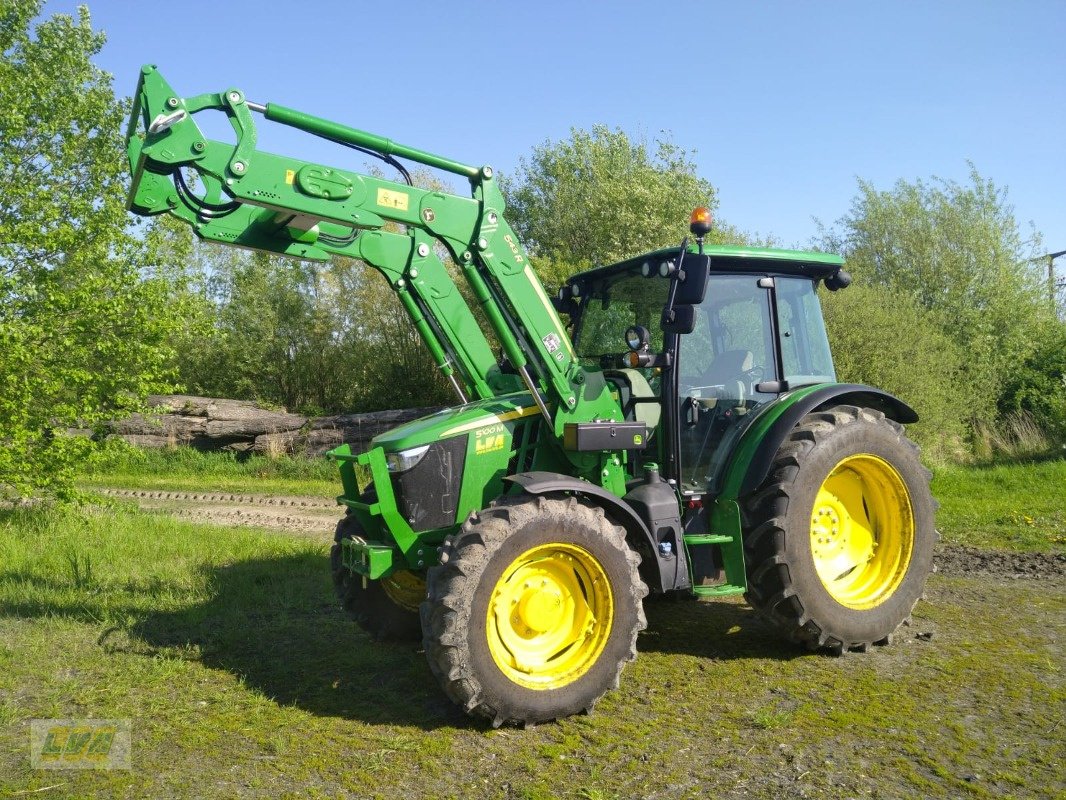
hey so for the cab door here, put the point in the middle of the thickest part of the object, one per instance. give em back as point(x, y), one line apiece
point(720, 365)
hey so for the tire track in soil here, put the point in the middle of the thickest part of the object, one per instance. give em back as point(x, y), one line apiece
point(317, 516)
point(960, 560)
point(308, 516)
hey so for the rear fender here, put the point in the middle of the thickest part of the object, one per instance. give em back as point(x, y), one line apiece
point(754, 454)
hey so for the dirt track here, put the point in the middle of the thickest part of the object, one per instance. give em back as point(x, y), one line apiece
point(309, 516)
point(317, 516)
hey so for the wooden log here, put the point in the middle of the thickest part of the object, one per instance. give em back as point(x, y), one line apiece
point(210, 423)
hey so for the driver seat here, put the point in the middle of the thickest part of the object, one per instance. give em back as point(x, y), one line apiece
point(729, 371)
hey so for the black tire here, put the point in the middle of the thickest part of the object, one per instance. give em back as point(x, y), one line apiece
point(804, 573)
point(387, 609)
point(580, 550)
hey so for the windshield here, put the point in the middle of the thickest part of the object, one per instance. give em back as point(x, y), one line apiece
point(628, 299)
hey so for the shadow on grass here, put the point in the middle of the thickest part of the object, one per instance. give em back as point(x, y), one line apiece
point(713, 630)
point(275, 623)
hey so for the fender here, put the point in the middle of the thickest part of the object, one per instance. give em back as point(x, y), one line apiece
point(754, 462)
point(637, 533)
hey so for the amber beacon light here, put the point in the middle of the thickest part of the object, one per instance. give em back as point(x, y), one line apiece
point(700, 222)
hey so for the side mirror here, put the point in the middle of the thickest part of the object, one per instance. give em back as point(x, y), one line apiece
point(692, 290)
point(682, 319)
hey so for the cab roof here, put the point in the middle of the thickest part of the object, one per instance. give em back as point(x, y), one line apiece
point(729, 259)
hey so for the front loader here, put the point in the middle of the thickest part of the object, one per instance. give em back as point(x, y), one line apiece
point(682, 432)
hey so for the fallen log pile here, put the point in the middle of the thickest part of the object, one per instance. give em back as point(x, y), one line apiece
point(209, 423)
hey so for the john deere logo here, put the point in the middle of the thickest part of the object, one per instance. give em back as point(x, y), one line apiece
point(80, 744)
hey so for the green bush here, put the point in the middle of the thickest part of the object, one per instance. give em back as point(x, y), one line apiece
point(883, 338)
point(1038, 385)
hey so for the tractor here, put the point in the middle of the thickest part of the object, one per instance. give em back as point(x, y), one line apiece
point(681, 433)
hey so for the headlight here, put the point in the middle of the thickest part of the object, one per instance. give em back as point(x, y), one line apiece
point(405, 459)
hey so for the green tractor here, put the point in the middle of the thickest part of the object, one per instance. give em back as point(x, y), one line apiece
point(682, 433)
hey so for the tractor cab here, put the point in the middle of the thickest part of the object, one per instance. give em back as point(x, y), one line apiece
point(697, 341)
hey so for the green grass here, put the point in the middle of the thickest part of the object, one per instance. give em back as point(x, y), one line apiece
point(243, 679)
point(184, 468)
point(1012, 506)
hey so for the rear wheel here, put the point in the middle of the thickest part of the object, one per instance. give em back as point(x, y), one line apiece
point(840, 535)
point(386, 608)
point(534, 610)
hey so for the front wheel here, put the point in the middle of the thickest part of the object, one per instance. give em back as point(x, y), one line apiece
point(840, 535)
point(386, 608)
point(533, 611)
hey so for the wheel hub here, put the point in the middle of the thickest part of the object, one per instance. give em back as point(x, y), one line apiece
point(405, 588)
point(862, 531)
point(540, 608)
point(550, 616)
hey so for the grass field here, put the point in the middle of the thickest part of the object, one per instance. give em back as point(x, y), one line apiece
point(1011, 506)
point(186, 469)
point(242, 678)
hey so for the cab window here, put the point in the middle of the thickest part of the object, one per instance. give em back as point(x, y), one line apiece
point(720, 364)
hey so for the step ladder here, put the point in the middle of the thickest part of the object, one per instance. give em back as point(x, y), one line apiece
point(732, 560)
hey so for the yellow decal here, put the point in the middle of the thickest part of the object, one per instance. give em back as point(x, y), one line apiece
point(489, 444)
point(290, 176)
point(486, 421)
point(514, 248)
point(389, 199)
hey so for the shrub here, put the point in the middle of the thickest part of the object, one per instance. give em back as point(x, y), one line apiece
point(883, 338)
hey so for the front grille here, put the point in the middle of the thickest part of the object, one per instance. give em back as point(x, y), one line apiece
point(427, 494)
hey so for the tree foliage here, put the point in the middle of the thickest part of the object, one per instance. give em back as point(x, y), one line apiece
point(310, 337)
point(957, 252)
point(82, 331)
point(1038, 386)
point(600, 196)
point(882, 337)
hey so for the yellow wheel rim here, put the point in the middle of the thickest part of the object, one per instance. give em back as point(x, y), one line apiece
point(405, 589)
point(862, 531)
point(550, 616)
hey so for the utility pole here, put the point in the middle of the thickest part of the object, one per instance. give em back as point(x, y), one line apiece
point(1051, 277)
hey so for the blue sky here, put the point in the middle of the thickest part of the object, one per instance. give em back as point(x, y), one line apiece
point(784, 103)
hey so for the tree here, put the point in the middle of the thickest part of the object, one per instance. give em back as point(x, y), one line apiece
point(309, 336)
point(600, 196)
point(958, 252)
point(870, 327)
point(1038, 387)
point(83, 333)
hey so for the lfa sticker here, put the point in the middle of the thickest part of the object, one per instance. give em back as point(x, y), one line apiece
point(489, 440)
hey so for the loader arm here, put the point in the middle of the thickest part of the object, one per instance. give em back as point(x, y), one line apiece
point(292, 207)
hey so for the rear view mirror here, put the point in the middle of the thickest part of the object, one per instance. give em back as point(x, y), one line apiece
point(692, 290)
point(682, 319)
